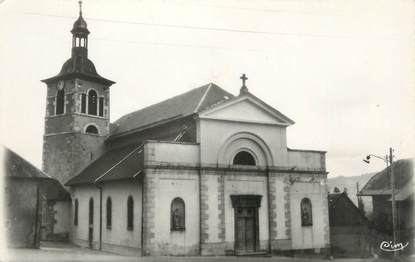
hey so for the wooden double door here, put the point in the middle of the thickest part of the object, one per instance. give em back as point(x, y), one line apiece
point(246, 229)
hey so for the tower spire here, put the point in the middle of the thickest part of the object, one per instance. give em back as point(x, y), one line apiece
point(80, 7)
point(80, 35)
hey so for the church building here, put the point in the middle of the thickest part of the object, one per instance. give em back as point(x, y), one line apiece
point(202, 173)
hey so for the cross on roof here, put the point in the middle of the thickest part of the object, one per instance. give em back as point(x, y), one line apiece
point(244, 78)
point(243, 89)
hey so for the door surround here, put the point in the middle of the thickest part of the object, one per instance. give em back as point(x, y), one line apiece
point(246, 201)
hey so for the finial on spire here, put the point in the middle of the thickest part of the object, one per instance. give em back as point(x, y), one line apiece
point(243, 89)
point(80, 7)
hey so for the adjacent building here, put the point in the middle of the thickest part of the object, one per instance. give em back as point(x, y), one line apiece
point(349, 228)
point(379, 188)
point(27, 193)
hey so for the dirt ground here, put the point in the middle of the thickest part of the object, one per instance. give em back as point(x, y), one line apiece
point(68, 252)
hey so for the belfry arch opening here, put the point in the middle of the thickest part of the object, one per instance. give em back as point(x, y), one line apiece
point(91, 129)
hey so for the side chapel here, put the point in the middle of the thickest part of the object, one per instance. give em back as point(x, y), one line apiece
point(202, 173)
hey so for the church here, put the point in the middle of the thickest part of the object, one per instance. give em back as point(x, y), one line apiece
point(203, 173)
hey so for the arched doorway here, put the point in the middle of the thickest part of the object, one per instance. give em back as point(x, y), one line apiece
point(91, 222)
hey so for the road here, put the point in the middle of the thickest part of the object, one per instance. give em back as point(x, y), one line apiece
point(67, 252)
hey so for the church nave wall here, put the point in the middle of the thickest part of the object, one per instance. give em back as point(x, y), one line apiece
point(80, 231)
point(163, 238)
point(316, 235)
point(116, 237)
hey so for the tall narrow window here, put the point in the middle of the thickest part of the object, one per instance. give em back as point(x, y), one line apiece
point(91, 211)
point(306, 213)
point(177, 215)
point(130, 213)
point(83, 103)
point(75, 215)
point(109, 213)
point(244, 158)
point(92, 102)
point(60, 102)
point(101, 106)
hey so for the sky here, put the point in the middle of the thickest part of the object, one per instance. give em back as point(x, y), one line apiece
point(343, 70)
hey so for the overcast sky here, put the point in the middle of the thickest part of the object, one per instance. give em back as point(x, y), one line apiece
point(343, 70)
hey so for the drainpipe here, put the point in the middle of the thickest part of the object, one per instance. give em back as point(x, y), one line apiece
point(142, 215)
point(200, 207)
point(269, 212)
point(37, 231)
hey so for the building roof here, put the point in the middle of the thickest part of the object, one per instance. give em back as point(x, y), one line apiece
point(333, 200)
point(379, 184)
point(116, 164)
point(17, 167)
point(79, 67)
point(80, 25)
point(176, 107)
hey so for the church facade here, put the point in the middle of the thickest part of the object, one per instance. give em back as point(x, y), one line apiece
point(202, 173)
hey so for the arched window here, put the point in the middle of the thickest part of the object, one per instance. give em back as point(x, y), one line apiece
point(130, 213)
point(177, 215)
point(91, 211)
point(75, 215)
point(60, 102)
point(244, 158)
point(109, 213)
point(306, 213)
point(92, 102)
point(91, 129)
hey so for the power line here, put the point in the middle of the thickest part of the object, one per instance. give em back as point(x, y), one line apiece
point(200, 28)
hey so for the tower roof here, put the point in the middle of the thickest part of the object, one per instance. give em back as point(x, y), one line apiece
point(79, 66)
point(80, 25)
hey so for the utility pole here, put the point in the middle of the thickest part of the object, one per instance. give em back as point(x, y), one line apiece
point(389, 163)
point(394, 232)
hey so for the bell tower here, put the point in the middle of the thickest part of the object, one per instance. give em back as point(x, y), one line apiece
point(77, 111)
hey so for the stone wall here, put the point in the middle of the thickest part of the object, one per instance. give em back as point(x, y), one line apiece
point(65, 138)
point(20, 203)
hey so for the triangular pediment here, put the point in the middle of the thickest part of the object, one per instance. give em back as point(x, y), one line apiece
point(246, 108)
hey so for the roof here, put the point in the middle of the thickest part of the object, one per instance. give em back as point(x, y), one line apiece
point(79, 67)
point(176, 107)
point(119, 163)
point(17, 167)
point(335, 197)
point(379, 184)
point(80, 25)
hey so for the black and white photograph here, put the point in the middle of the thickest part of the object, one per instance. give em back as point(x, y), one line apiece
point(207, 131)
